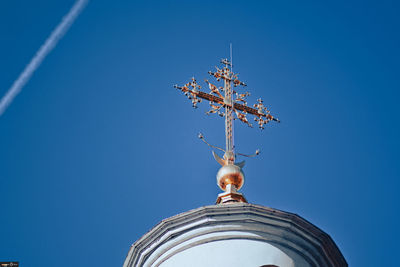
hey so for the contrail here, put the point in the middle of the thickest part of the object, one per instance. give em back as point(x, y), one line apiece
point(41, 54)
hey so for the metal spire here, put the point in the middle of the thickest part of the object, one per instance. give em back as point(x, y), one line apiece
point(230, 177)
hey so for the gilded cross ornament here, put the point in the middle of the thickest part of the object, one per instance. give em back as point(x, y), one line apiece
point(228, 101)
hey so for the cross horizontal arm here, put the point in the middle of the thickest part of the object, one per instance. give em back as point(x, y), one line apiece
point(220, 100)
point(254, 112)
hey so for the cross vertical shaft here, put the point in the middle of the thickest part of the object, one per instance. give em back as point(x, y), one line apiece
point(229, 152)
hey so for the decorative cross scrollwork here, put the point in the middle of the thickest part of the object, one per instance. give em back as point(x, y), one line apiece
point(232, 102)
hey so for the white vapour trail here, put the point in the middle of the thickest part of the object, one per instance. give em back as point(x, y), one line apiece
point(40, 55)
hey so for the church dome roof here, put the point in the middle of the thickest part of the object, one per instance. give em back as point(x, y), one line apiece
point(230, 233)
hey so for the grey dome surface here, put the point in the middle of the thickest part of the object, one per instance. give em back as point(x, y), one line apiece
point(303, 242)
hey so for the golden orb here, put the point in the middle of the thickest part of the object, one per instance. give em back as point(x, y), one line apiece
point(230, 174)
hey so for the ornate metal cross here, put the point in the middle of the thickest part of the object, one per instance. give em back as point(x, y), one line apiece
point(237, 105)
point(231, 103)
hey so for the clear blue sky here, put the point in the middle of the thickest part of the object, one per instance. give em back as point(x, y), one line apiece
point(99, 147)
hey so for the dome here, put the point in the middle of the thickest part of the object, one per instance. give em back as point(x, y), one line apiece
point(236, 235)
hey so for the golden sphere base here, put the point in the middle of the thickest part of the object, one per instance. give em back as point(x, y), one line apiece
point(230, 197)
